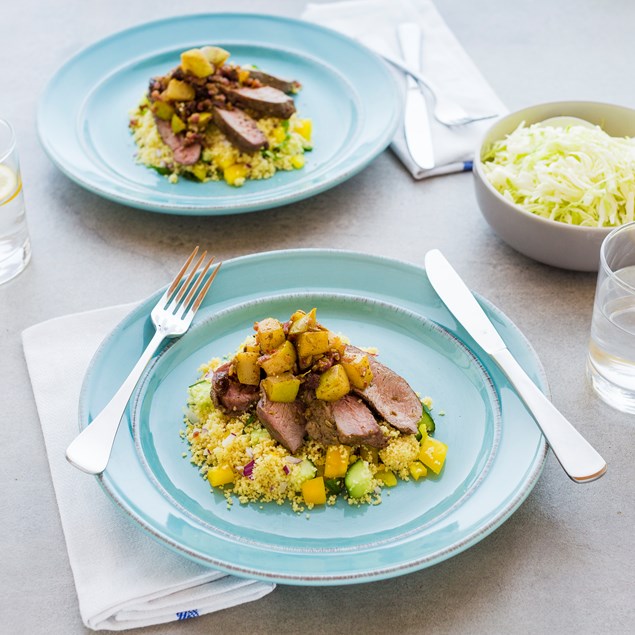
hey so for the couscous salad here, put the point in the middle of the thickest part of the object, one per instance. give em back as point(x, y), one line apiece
point(299, 414)
point(209, 120)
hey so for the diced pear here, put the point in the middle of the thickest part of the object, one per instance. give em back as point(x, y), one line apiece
point(247, 368)
point(281, 388)
point(215, 54)
point(178, 90)
point(279, 361)
point(195, 61)
point(269, 334)
point(303, 323)
point(312, 343)
point(357, 368)
point(333, 384)
point(204, 118)
point(178, 125)
point(162, 109)
point(336, 344)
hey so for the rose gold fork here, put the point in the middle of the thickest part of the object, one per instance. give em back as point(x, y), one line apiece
point(172, 316)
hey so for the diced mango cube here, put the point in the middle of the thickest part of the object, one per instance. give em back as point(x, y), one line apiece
point(432, 453)
point(417, 470)
point(304, 127)
point(243, 75)
point(336, 462)
point(278, 135)
point(235, 174)
point(194, 61)
point(199, 171)
point(220, 475)
point(387, 477)
point(314, 492)
point(281, 388)
point(297, 161)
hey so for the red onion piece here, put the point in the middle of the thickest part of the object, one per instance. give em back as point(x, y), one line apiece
point(249, 469)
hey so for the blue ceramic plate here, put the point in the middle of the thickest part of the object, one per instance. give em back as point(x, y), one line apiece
point(348, 92)
point(495, 455)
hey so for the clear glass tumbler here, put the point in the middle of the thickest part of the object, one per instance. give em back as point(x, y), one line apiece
point(611, 358)
point(15, 246)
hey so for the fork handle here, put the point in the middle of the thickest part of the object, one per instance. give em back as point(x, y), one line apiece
point(90, 451)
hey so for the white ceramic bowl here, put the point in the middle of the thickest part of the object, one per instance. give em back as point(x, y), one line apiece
point(552, 242)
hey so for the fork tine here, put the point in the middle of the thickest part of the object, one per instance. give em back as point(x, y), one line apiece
point(205, 289)
point(179, 275)
point(185, 307)
point(184, 287)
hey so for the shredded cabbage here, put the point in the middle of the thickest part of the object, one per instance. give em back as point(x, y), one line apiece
point(578, 175)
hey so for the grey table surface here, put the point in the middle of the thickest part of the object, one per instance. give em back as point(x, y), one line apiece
point(564, 562)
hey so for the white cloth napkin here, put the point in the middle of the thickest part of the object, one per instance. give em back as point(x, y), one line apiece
point(124, 579)
point(444, 62)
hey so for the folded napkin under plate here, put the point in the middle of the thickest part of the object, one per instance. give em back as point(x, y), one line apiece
point(124, 579)
point(444, 61)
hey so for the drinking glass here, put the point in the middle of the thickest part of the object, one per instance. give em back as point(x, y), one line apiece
point(611, 358)
point(15, 247)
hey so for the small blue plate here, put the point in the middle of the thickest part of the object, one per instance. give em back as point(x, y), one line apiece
point(348, 92)
point(495, 456)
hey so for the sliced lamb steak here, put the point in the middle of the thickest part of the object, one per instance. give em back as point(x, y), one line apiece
point(347, 420)
point(285, 85)
point(186, 154)
point(266, 101)
point(285, 421)
point(241, 130)
point(229, 394)
point(390, 396)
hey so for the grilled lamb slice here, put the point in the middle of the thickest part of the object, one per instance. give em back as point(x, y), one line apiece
point(241, 130)
point(285, 85)
point(285, 421)
point(347, 420)
point(266, 101)
point(391, 396)
point(186, 154)
point(320, 423)
point(229, 394)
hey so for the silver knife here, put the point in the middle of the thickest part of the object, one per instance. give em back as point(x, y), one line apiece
point(416, 119)
point(576, 456)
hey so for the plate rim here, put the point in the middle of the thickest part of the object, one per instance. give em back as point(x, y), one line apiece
point(380, 143)
point(430, 559)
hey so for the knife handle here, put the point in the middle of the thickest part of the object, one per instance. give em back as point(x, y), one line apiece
point(409, 35)
point(577, 457)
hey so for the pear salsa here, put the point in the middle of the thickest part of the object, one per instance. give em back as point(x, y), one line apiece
point(299, 414)
point(210, 120)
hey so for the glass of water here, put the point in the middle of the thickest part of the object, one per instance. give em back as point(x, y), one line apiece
point(611, 358)
point(15, 247)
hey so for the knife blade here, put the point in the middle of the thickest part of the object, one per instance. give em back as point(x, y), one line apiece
point(416, 120)
point(577, 457)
